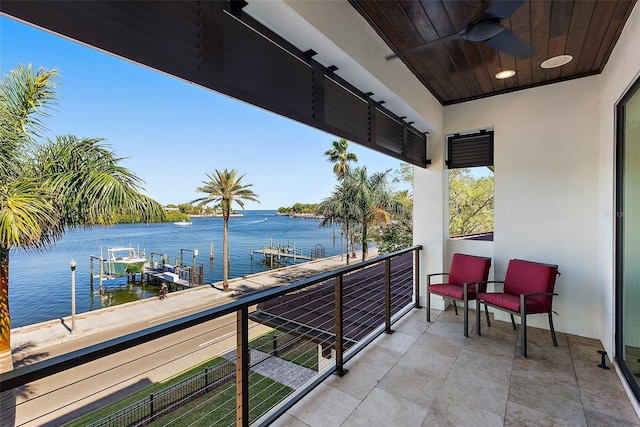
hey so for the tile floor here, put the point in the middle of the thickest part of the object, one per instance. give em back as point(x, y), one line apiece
point(429, 374)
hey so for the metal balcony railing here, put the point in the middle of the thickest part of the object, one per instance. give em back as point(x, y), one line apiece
point(280, 343)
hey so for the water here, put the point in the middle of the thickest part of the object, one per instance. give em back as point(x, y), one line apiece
point(40, 282)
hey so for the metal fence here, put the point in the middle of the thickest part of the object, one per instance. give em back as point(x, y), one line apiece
point(177, 395)
point(160, 403)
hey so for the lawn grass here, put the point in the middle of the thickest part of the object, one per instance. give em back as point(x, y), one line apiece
point(302, 352)
point(105, 411)
point(220, 404)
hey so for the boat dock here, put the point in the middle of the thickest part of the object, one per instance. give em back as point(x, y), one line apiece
point(179, 276)
point(277, 254)
point(152, 270)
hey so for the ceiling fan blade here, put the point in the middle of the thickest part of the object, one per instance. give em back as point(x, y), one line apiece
point(425, 46)
point(501, 9)
point(506, 41)
point(484, 5)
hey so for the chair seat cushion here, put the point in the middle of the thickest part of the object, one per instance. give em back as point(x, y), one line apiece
point(511, 302)
point(453, 291)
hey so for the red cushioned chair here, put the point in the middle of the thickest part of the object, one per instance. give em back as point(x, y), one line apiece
point(465, 270)
point(528, 289)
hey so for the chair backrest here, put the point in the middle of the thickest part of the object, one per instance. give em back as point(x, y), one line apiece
point(526, 277)
point(468, 268)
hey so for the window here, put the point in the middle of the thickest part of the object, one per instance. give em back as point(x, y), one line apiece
point(471, 185)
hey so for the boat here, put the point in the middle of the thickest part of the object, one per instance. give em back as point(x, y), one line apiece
point(123, 260)
point(183, 222)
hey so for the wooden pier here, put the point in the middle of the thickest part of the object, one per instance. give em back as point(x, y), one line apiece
point(277, 254)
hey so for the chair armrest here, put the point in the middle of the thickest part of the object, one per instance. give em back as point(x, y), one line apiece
point(434, 274)
point(523, 299)
point(480, 285)
point(538, 294)
point(484, 283)
point(437, 274)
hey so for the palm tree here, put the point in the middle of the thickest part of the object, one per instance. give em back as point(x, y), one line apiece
point(47, 187)
point(225, 187)
point(340, 157)
point(338, 209)
point(373, 201)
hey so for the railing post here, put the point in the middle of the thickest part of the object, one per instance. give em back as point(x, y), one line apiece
point(339, 344)
point(242, 367)
point(416, 276)
point(274, 345)
point(387, 296)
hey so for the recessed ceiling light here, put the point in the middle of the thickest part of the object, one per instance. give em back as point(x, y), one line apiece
point(505, 74)
point(557, 61)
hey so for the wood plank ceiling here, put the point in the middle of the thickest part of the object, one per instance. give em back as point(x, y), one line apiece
point(461, 70)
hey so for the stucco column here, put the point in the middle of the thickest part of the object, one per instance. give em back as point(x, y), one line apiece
point(430, 215)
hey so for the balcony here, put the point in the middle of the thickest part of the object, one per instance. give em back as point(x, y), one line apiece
point(429, 374)
point(270, 357)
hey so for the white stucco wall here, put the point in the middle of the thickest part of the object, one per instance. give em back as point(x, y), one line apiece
point(429, 217)
point(546, 188)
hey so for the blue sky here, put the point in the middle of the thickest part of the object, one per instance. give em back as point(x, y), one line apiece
point(172, 132)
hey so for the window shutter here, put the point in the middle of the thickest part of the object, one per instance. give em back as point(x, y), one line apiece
point(472, 150)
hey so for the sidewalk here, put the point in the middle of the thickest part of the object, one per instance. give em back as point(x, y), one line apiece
point(100, 325)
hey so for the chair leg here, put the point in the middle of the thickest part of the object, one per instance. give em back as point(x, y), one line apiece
point(455, 307)
point(523, 324)
point(486, 312)
point(465, 301)
point(428, 305)
point(478, 315)
point(553, 332)
point(513, 322)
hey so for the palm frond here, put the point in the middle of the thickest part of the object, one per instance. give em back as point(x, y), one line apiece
point(28, 95)
point(91, 187)
point(225, 187)
point(28, 216)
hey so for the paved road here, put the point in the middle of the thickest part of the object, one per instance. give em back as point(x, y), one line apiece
point(65, 396)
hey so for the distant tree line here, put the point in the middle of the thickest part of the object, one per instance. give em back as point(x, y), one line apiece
point(299, 208)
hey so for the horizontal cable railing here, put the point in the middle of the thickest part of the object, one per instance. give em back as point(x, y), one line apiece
point(243, 362)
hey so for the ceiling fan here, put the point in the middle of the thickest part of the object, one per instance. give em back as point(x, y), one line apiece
point(485, 28)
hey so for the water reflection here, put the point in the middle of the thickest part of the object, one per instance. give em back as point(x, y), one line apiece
point(119, 292)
